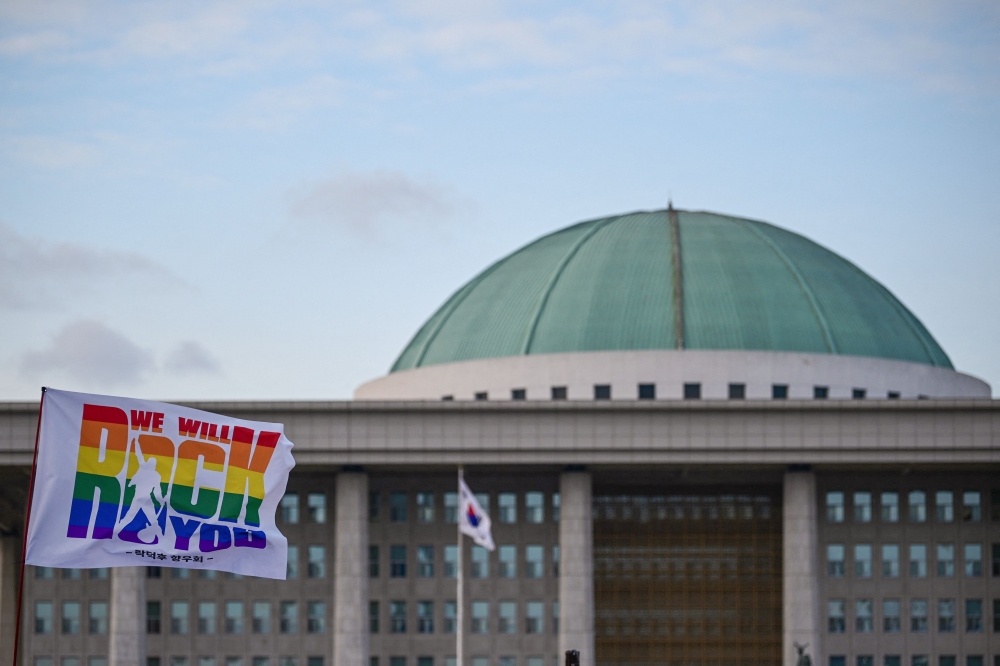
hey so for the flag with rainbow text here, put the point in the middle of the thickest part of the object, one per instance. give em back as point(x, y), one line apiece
point(124, 482)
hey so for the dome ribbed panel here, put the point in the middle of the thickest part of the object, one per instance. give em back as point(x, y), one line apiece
point(494, 315)
point(739, 294)
point(615, 293)
point(866, 319)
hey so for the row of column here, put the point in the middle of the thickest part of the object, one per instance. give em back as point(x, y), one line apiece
point(801, 604)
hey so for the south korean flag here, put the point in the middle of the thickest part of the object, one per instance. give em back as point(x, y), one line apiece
point(472, 520)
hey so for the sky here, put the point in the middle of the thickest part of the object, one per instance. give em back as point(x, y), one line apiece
point(264, 200)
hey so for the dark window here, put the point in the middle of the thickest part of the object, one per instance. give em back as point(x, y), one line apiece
point(397, 507)
point(373, 561)
point(373, 506)
point(153, 572)
point(780, 392)
point(483, 395)
point(996, 616)
point(838, 660)
point(373, 617)
point(397, 561)
point(647, 391)
point(996, 560)
point(859, 394)
point(692, 391)
point(995, 504)
point(602, 391)
point(821, 392)
point(737, 391)
point(558, 392)
point(152, 617)
point(447, 398)
point(518, 394)
point(893, 395)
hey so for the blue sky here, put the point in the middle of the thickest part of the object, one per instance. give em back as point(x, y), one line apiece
point(266, 200)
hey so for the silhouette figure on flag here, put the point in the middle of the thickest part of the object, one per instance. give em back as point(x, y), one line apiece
point(146, 482)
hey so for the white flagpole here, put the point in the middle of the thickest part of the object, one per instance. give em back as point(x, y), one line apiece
point(460, 601)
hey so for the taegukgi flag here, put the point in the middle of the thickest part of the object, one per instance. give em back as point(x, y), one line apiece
point(472, 520)
point(123, 482)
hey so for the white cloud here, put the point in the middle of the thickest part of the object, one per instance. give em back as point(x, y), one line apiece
point(188, 358)
point(372, 202)
point(89, 354)
point(38, 273)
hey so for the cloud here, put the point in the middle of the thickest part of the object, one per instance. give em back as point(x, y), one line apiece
point(189, 358)
point(38, 273)
point(371, 202)
point(280, 107)
point(52, 152)
point(91, 354)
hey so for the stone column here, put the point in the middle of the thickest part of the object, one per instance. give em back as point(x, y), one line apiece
point(350, 567)
point(576, 567)
point(10, 559)
point(127, 638)
point(801, 603)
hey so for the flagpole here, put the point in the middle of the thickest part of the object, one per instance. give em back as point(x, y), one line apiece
point(460, 594)
point(24, 537)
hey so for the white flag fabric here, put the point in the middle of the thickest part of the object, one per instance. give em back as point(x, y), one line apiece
point(472, 520)
point(123, 482)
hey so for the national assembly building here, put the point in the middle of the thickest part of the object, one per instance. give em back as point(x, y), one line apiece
point(702, 440)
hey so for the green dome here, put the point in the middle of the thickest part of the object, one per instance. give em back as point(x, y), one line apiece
point(671, 279)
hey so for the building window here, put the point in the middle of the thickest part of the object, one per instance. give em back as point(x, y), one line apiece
point(507, 618)
point(397, 561)
point(835, 560)
point(373, 561)
point(317, 561)
point(44, 573)
point(425, 507)
point(558, 392)
point(996, 560)
point(451, 508)
point(206, 574)
point(977, 660)
point(995, 504)
point(71, 574)
point(372, 617)
point(43, 617)
point(290, 508)
point(890, 507)
point(534, 557)
point(534, 617)
point(971, 506)
point(206, 617)
point(450, 617)
point(289, 617)
point(518, 394)
point(450, 561)
point(507, 562)
point(920, 660)
point(946, 615)
point(262, 661)
point(602, 391)
point(996, 617)
point(647, 391)
point(835, 506)
point(179, 573)
point(555, 561)
point(821, 392)
point(480, 562)
point(97, 617)
point(865, 660)
point(692, 391)
point(507, 507)
point(946, 660)
point(918, 560)
point(918, 506)
point(863, 622)
point(152, 617)
point(425, 561)
point(779, 391)
point(448, 398)
point(482, 395)
point(836, 621)
point(261, 611)
point(480, 617)
point(944, 501)
point(892, 660)
point(153, 572)
point(863, 560)
point(316, 502)
point(374, 506)
point(945, 560)
point(918, 616)
point(292, 567)
point(178, 617)
point(890, 616)
point(484, 501)
point(859, 393)
point(555, 617)
point(425, 617)
point(862, 507)
point(234, 617)
point(890, 560)
point(838, 660)
point(397, 617)
point(534, 508)
point(397, 507)
point(973, 616)
point(737, 391)
point(973, 553)
point(555, 507)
